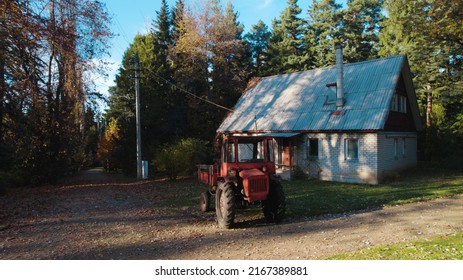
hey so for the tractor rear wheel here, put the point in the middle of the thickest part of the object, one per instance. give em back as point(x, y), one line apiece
point(205, 202)
point(225, 205)
point(274, 206)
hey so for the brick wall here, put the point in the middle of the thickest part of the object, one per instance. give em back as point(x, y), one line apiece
point(380, 155)
point(332, 163)
point(396, 152)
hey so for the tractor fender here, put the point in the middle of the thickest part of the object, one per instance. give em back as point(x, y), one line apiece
point(227, 179)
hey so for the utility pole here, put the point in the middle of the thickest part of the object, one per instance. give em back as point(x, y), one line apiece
point(137, 108)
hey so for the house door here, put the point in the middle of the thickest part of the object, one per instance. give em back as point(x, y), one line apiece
point(287, 153)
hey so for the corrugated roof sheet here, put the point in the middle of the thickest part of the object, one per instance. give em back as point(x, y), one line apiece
point(281, 135)
point(299, 101)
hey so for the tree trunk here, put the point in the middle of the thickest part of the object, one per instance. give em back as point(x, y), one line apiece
point(429, 107)
point(2, 87)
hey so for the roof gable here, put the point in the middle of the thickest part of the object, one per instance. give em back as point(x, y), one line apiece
point(301, 101)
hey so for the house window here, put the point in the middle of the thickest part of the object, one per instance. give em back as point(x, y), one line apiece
point(404, 147)
point(395, 103)
point(312, 148)
point(403, 104)
point(351, 149)
point(399, 103)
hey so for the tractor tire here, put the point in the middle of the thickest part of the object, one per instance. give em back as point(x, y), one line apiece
point(205, 202)
point(225, 205)
point(274, 206)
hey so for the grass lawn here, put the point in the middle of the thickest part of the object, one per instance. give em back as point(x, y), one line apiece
point(440, 248)
point(307, 198)
point(313, 197)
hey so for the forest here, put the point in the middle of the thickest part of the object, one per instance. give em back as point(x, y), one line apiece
point(195, 63)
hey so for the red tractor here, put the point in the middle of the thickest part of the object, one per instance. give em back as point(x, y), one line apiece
point(246, 174)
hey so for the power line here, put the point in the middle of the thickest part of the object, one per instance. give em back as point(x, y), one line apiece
point(118, 24)
point(193, 95)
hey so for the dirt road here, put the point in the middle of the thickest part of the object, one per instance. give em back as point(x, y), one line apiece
point(99, 216)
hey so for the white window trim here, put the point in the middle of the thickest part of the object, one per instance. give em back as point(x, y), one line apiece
point(346, 149)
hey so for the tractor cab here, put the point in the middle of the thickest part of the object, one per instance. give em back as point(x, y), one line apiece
point(246, 153)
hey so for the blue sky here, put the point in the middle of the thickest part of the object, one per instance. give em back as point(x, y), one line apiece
point(136, 16)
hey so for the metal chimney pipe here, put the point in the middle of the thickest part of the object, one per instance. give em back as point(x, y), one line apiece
point(339, 77)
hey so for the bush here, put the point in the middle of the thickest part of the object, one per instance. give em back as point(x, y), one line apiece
point(298, 174)
point(182, 157)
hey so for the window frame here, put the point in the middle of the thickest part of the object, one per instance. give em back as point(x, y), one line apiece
point(398, 103)
point(347, 152)
point(310, 149)
point(396, 148)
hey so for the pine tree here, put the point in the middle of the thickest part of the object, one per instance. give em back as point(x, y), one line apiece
point(174, 121)
point(286, 48)
point(435, 59)
point(230, 61)
point(190, 68)
point(325, 23)
point(258, 39)
point(361, 23)
point(445, 19)
point(210, 61)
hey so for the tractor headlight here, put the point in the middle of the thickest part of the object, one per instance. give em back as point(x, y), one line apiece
point(231, 172)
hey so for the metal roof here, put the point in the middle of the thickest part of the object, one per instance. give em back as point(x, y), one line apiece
point(300, 101)
point(281, 135)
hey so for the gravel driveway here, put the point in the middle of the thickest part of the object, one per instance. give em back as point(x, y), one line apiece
point(99, 216)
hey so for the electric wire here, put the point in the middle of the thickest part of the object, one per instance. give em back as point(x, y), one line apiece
point(119, 26)
point(194, 95)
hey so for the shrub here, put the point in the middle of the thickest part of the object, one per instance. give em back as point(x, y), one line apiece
point(390, 176)
point(298, 174)
point(182, 157)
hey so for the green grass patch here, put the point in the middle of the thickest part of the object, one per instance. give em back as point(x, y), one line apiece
point(307, 198)
point(179, 193)
point(441, 248)
point(314, 197)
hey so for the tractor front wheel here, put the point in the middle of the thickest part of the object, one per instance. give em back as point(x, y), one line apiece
point(274, 206)
point(225, 205)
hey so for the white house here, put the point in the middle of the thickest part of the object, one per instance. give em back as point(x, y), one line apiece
point(349, 123)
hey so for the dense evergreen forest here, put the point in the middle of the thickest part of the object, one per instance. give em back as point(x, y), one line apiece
point(195, 63)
